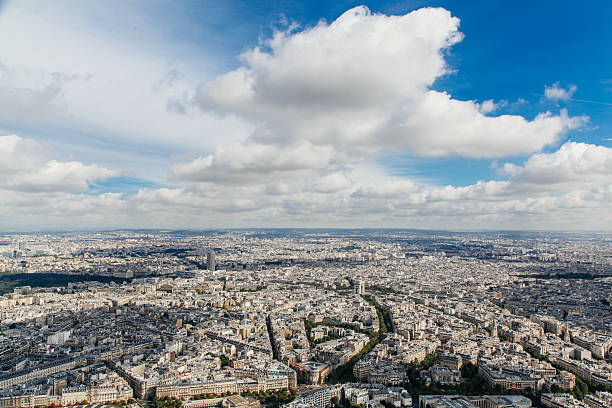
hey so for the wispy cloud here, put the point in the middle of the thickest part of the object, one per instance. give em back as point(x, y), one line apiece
point(557, 93)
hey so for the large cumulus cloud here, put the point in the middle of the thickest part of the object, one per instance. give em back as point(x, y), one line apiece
point(362, 84)
point(325, 100)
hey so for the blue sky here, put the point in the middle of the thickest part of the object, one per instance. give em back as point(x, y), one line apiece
point(510, 52)
point(136, 108)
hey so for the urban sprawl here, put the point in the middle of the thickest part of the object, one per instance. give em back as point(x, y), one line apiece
point(305, 318)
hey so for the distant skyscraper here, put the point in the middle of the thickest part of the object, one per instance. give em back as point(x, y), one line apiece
point(210, 260)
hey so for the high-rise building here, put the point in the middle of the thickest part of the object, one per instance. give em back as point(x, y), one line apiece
point(210, 260)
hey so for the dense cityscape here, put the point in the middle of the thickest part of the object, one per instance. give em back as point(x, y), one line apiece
point(305, 204)
point(306, 318)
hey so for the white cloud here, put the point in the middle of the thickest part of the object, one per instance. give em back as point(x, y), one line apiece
point(38, 192)
point(490, 106)
point(253, 162)
point(358, 60)
point(390, 188)
point(24, 167)
point(62, 211)
point(332, 182)
point(361, 84)
point(440, 126)
point(557, 93)
point(529, 198)
point(572, 163)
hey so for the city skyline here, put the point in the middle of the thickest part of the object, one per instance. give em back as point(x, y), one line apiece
point(199, 115)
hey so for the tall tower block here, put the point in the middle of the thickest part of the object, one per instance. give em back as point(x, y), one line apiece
point(210, 260)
